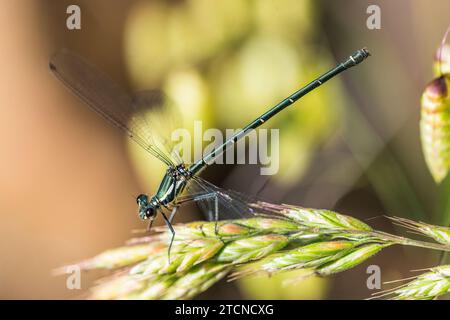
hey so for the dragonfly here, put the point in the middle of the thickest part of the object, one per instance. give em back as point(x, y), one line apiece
point(181, 182)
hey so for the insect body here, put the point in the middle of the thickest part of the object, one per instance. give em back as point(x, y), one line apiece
point(109, 101)
point(172, 185)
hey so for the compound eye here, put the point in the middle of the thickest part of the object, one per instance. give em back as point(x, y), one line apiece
point(141, 199)
point(150, 212)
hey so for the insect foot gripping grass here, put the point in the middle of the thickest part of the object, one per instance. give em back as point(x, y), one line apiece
point(321, 241)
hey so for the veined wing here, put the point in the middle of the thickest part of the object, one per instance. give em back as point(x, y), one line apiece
point(230, 204)
point(106, 98)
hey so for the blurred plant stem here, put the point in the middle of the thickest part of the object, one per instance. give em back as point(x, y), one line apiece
point(383, 171)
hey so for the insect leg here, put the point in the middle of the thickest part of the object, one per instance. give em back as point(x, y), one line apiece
point(195, 198)
point(175, 208)
point(200, 197)
point(172, 214)
point(169, 225)
point(216, 211)
point(149, 226)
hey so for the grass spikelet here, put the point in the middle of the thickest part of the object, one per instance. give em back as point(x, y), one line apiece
point(438, 233)
point(427, 286)
point(315, 218)
point(434, 127)
point(351, 259)
point(123, 256)
point(322, 242)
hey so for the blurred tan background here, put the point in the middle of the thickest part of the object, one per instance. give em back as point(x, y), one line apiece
point(68, 180)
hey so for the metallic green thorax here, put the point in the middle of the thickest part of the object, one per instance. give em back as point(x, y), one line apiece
point(172, 185)
point(353, 60)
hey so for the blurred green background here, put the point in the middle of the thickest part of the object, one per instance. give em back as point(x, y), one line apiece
point(68, 180)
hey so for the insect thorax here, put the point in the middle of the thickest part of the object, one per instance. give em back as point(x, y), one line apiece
point(179, 171)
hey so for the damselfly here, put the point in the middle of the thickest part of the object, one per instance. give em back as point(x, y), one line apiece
point(181, 182)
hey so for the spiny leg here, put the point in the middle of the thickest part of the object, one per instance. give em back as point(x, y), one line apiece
point(175, 208)
point(199, 197)
point(149, 226)
point(172, 214)
point(216, 212)
point(211, 215)
point(169, 225)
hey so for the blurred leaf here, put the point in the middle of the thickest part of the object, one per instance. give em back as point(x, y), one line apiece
point(291, 19)
point(147, 48)
point(245, 84)
point(278, 287)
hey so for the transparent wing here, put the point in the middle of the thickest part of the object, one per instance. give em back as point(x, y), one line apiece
point(102, 95)
point(164, 117)
point(230, 204)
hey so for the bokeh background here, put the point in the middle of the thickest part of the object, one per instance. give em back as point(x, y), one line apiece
point(68, 180)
